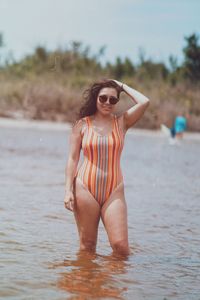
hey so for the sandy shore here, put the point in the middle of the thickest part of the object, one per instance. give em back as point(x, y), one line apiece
point(47, 125)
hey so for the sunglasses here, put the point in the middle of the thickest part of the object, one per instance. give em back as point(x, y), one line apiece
point(112, 99)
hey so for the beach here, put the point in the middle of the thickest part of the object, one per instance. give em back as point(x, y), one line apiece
point(39, 255)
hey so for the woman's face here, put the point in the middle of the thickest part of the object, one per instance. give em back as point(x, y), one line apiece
point(106, 107)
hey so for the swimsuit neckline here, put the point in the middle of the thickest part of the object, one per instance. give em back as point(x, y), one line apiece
point(102, 135)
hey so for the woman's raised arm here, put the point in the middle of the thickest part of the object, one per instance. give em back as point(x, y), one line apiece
point(133, 114)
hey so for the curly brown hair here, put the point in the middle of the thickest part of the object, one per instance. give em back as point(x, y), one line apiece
point(90, 95)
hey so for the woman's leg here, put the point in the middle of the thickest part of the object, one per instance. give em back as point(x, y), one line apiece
point(87, 215)
point(179, 135)
point(114, 217)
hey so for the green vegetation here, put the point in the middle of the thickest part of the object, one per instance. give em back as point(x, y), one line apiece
point(49, 84)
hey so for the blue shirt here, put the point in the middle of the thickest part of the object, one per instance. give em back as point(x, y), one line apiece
point(180, 124)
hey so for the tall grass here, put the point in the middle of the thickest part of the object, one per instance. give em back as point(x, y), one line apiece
point(49, 86)
point(59, 99)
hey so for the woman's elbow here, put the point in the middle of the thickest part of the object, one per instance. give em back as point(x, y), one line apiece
point(146, 102)
point(74, 157)
point(71, 163)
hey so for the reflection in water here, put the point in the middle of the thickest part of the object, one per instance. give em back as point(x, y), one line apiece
point(93, 275)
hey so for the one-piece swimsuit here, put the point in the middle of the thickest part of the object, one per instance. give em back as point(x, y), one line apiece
point(100, 172)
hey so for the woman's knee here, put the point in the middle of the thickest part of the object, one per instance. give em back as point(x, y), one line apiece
point(121, 247)
point(87, 244)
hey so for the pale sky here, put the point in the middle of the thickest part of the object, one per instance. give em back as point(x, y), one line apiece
point(123, 26)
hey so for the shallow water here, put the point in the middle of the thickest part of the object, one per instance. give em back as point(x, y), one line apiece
point(39, 256)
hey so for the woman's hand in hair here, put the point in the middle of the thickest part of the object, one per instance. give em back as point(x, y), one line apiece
point(120, 84)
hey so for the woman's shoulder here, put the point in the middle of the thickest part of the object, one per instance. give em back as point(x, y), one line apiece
point(79, 125)
point(79, 122)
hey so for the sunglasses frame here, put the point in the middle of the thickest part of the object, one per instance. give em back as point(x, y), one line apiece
point(108, 98)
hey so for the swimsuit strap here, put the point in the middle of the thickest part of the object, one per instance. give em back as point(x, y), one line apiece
point(118, 127)
point(116, 123)
point(88, 122)
point(86, 119)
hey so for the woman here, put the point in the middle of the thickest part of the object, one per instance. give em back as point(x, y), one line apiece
point(96, 189)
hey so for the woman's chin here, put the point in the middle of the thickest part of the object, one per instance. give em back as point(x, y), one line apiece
point(106, 111)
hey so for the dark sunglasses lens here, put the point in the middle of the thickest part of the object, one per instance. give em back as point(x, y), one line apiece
point(103, 98)
point(113, 100)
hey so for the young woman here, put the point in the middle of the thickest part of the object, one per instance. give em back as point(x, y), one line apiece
point(96, 190)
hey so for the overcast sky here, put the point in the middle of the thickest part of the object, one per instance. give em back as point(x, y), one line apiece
point(123, 26)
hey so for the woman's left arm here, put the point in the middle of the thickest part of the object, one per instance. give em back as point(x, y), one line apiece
point(133, 114)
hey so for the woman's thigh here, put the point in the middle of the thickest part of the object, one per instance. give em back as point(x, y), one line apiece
point(114, 216)
point(86, 212)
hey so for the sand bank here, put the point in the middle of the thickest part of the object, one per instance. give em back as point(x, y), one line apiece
point(47, 125)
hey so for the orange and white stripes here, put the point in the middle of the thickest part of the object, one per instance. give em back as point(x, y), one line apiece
point(100, 171)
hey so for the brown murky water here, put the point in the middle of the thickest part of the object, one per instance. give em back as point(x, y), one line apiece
point(39, 256)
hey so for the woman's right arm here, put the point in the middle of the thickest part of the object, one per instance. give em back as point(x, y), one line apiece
point(72, 163)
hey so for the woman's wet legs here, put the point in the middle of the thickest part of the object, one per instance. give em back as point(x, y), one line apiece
point(87, 214)
point(114, 217)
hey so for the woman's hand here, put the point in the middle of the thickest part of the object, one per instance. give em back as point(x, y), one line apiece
point(69, 200)
point(120, 84)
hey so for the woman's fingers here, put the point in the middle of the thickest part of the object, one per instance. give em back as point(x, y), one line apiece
point(117, 82)
point(69, 205)
point(69, 202)
point(120, 84)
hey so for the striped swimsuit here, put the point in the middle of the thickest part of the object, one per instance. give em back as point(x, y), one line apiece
point(100, 171)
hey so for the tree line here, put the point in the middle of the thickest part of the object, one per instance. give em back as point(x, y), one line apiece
point(77, 59)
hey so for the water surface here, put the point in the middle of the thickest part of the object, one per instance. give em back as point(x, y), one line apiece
point(39, 256)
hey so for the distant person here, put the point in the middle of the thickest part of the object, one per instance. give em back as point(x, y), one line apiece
point(96, 190)
point(179, 127)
